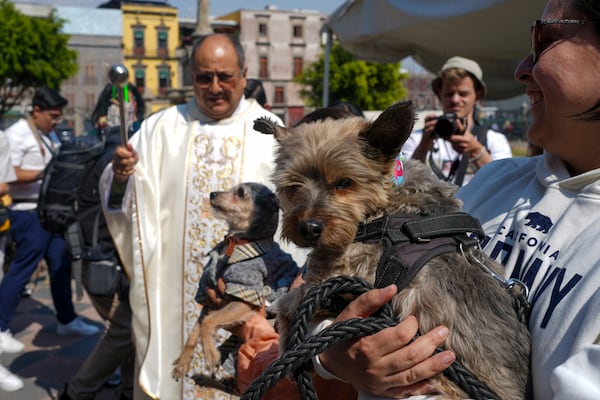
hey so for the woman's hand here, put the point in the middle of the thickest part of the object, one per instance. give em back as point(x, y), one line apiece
point(387, 363)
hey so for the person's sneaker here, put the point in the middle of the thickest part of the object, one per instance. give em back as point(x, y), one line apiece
point(27, 291)
point(8, 344)
point(77, 327)
point(9, 382)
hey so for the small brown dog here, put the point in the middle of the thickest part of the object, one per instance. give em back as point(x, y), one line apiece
point(334, 175)
point(246, 271)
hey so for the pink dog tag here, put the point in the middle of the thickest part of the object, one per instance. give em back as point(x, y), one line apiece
point(398, 170)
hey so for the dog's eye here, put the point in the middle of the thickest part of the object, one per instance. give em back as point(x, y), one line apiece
point(343, 183)
point(291, 190)
point(241, 193)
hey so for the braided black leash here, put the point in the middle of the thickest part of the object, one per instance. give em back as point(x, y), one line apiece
point(298, 358)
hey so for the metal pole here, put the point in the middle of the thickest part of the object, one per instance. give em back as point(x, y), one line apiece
point(326, 68)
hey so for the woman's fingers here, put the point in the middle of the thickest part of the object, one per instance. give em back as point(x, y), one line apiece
point(390, 362)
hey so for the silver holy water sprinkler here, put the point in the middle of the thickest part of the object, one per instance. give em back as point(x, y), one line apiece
point(118, 75)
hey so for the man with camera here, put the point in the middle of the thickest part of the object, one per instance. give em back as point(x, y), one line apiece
point(454, 144)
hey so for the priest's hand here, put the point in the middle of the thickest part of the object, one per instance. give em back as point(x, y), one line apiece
point(123, 163)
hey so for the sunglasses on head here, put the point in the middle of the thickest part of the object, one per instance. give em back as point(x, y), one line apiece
point(536, 28)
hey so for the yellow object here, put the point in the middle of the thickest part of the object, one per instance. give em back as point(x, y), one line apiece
point(4, 202)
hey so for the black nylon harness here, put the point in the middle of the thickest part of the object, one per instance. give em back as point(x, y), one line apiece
point(410, 241)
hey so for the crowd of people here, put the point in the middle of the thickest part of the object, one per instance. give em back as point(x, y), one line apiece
point(537, 213)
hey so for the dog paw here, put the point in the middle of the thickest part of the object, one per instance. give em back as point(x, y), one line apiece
point(181, 368)
point(212, 357)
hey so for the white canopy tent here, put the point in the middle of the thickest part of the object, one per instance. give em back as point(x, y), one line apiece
point(495, 33)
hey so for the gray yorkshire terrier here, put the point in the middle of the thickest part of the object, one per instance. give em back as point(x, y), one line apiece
point(332, 176)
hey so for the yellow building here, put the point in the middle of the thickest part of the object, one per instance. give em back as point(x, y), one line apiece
point(150, 37)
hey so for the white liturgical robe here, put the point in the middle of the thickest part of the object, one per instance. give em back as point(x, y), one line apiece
point(165, 229)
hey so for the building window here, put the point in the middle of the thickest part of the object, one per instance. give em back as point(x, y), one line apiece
point(263, 67)
point(298, 31)
point(71, 81)
point(140, 80)
point(263, 30)
point(138, 42)
point(163, 50)
point(279, 95)
point(70, 98)
point(298, 66)
point(90, 101)
point(163, 81)
point(90, 74)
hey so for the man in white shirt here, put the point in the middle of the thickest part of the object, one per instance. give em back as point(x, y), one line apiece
point(9, 382)
point(31, 151)
point(457, 146)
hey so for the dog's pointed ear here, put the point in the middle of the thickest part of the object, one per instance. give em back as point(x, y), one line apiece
point(268, 127)
point(391, 129)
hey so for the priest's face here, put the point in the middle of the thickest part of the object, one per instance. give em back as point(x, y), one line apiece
point(217, 78)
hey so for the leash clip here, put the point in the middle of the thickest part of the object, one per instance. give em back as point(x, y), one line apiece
point(518, 287)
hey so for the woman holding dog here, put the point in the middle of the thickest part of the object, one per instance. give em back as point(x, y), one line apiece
point(541, 218)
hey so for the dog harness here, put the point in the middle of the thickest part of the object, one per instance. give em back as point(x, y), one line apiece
point(410, 241)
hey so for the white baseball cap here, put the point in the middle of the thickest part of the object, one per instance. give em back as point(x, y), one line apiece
point(468, 65)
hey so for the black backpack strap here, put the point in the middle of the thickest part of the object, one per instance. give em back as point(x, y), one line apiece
point(480, 132)
point(436, 170)
point(462, 163)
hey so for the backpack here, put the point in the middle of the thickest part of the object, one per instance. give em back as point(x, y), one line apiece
point(56, 207)
point(101, 269)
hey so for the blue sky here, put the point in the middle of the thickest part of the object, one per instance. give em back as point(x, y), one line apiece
point(187, 8)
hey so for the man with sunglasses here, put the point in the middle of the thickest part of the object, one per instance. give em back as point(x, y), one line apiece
point(30, 151)
point(166, 172)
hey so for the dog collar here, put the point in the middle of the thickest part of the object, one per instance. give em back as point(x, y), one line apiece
point(246, 250)
point(232, 242)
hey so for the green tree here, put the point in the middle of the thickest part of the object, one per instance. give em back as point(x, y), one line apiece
point(33, 53)
point(370, 86)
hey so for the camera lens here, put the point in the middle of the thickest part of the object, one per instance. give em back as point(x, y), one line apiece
point(445, 127)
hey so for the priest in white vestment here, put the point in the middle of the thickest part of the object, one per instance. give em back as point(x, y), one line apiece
point(164, 228)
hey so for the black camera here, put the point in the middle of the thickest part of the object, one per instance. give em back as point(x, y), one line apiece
point(446, 125)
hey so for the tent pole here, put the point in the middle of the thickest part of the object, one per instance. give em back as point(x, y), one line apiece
point(326, 68)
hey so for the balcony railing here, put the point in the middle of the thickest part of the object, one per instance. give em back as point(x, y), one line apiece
point(146, 52)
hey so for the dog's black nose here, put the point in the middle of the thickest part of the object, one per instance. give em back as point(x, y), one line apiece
point(311, 229)
point(213, 195)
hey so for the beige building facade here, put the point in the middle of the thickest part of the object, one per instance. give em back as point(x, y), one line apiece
point(279, 44)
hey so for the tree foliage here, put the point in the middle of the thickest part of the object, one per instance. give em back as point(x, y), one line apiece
point(370, 86)
point(33, 53)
